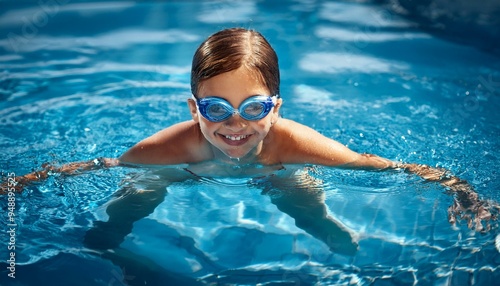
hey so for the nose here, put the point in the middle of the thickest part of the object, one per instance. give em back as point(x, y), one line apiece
point(235, 122)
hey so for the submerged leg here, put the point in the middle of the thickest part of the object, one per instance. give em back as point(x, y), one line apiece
point(303, 200)
point(122, 212)
point(130, 206)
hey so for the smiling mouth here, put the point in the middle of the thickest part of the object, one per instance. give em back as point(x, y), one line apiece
point(235, 140)
point(236, 137)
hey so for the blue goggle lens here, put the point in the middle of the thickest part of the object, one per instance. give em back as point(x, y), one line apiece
point(217, 109)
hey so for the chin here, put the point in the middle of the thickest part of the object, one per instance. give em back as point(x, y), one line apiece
point(237, 153)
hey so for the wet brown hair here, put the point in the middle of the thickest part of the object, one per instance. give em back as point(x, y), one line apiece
point(231, 49)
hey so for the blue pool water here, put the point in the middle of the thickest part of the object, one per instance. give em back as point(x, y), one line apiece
point(84, 80)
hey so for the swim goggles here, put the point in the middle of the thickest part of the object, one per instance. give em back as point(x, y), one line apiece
point(217, 109)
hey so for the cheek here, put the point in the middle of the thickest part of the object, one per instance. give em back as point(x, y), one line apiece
point(208, 128)
point(263, 126)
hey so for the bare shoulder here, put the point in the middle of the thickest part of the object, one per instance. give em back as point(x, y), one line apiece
point(299, 143)
point(297, 132)
point(284, 124)
point(179, 143)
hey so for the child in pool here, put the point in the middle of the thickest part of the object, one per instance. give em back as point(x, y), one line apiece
point(235, 120)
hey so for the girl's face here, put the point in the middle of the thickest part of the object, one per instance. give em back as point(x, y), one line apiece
point(235, 137)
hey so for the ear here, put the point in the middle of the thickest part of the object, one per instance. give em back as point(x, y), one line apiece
point(276, 110)
point(193, 110)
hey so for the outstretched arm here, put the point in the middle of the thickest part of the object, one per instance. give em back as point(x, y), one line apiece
point(466, 205)
point(177, 144)
point(18, 183)
point(305, 145)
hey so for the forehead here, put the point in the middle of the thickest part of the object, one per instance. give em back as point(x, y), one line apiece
point(236, 84)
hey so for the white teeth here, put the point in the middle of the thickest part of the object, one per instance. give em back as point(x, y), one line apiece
point(236, 138)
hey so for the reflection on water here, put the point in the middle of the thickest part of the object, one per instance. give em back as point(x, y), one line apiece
point(356, 72)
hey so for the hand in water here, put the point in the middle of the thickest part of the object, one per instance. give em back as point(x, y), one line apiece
point(466, 205)
point(16, 184)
